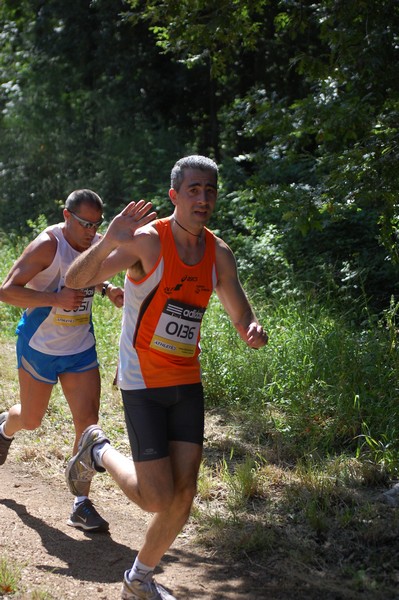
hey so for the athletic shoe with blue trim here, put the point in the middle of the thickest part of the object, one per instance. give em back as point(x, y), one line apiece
point(84, 516)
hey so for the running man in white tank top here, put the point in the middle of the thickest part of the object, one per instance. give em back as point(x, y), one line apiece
point(55, 333)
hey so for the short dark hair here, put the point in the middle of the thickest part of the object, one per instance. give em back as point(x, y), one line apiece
point(78, 197)
point(195, 161)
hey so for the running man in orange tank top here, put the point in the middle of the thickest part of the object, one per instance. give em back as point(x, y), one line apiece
point(172, 266)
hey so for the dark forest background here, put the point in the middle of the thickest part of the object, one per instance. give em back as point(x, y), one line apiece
point(297, 101)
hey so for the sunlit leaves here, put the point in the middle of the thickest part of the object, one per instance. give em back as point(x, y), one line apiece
point(201, 31)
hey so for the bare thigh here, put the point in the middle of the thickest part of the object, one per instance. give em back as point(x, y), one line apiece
point(185, 461)
point(34, 399)
point(164, 479)
point(82, 392)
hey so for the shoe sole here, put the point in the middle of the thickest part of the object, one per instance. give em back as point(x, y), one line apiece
point(71, 483)
point(84, 444)
point(99, 528)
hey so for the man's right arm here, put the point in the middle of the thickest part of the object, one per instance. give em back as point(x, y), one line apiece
point(118, 250)
point(96, 264)
point(36, 257)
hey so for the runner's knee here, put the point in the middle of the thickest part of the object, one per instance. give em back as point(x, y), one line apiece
point(30, 422)
point(156, 500)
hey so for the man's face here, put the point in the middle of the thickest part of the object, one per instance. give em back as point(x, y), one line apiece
point(78, 232)
point(196, 198)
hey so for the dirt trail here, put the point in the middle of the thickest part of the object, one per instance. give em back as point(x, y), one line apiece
point(68, 563)
point(71, 564)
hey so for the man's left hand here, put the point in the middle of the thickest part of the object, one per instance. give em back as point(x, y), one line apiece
point(116, 295)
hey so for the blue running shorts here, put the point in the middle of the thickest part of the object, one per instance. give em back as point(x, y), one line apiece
point(46, 367)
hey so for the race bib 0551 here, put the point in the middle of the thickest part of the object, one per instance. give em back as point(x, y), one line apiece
point(79, 316)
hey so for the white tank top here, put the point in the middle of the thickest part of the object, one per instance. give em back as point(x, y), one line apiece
point(53, 330)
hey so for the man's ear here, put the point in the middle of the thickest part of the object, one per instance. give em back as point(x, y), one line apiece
point(173, 196)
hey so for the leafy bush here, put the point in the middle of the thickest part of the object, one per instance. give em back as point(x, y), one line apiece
point(319, 385)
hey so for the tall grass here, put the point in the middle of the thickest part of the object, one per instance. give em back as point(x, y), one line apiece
point(324, 385)
point(11, 247)
point(295, 434)
point(10, 575)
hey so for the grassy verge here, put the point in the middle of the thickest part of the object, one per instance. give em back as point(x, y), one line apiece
point(301, 440)
point(322, 387)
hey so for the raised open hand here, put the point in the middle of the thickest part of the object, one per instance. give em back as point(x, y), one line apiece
point(136, 214)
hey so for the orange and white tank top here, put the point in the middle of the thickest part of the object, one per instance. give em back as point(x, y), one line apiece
point(162, 315)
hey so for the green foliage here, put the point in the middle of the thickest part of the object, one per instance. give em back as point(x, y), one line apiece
point(299, 102)
point(242, 484)
point(12, 247)
point(200, 32)
point(316, 385)
point(87, 122)
point(384, 450)
point(323, 153)
point(10, 575)
point(107, 323)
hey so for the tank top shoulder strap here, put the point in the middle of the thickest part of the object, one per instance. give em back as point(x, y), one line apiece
point(162, 226)
point(56, 232)
point(210, 242)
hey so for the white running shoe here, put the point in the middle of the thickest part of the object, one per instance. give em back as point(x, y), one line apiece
point(147, 589)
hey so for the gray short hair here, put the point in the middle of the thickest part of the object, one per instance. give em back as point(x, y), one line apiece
point(195, 161)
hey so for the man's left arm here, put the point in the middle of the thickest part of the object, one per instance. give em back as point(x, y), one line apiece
point(235, 301)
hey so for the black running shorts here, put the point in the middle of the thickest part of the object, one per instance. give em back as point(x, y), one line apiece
point(156, 416)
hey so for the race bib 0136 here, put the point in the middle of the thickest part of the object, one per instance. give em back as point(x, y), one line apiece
point(178, 328)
